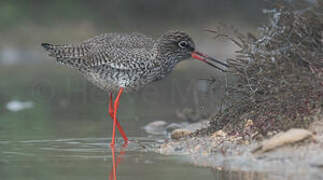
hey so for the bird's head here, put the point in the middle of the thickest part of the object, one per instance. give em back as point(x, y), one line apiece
point(180, 45)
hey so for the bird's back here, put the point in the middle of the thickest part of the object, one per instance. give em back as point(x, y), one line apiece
point(128, 60)
point(104, 48)
point(110, 60)
point(123, 40)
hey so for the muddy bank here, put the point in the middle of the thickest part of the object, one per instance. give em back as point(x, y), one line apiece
point(272, 118)
point(294, 154)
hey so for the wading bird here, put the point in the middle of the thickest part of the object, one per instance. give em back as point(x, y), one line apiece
point(118, 62)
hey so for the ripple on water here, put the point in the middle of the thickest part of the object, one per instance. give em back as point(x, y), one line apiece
point(75, 147)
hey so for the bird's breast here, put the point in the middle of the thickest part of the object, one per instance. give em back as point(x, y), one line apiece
point(111, 79)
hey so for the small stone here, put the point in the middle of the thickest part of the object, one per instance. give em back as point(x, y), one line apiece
point(289, 137)
point(180, 133)
point(171, 127)
point(197, 148)
point(219, 168)
point(248, 123)
point(156, 128)
point(16, 106)
point(204, 153)
point(271, 133)
point(219, 133)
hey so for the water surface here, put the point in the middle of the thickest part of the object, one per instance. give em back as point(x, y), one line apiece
point(66, 133)
point(91, 158)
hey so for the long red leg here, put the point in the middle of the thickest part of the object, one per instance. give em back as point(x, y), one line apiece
point(116, 105)
point(111, 112)
point(110, 106)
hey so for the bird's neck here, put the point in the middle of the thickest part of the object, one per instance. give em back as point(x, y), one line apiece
point(164, 53)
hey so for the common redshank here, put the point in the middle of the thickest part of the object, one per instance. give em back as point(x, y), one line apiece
point(118, 62)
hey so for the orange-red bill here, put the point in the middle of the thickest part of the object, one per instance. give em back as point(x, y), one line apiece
point(207, 59)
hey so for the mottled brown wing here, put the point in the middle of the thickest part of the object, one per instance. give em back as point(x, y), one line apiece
point(117, 40)
point(122, 40)
point(119, 57)
point(118, 50)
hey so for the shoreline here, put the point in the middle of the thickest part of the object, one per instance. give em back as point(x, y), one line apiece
point(299, 157)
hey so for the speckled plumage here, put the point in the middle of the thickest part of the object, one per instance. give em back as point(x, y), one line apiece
point(127, 60)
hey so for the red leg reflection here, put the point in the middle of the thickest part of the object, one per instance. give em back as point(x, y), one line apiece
point(116, 161)
point(113, 114)
point(113, 173)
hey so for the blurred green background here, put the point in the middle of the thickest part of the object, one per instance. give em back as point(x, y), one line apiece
point(66, 105)
point(55, 125)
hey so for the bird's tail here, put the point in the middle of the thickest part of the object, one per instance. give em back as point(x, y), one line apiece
point(52, 49)
point(67, 54)
point(65, 51)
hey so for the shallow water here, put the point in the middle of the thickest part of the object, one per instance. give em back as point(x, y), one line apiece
point(65, 133)
point(91, 158)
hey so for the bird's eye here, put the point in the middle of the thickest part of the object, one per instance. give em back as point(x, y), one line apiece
point(182, 44)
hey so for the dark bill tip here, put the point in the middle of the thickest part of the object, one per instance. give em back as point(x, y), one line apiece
point(206, 59)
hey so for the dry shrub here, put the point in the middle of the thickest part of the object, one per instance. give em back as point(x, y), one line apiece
point(278, 75)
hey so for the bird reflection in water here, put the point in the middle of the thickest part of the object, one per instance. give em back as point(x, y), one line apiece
point(116, 160)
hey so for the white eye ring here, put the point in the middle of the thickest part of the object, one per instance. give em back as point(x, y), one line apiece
point(182, 44)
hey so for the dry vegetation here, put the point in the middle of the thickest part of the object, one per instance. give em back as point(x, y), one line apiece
point(278, 75)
